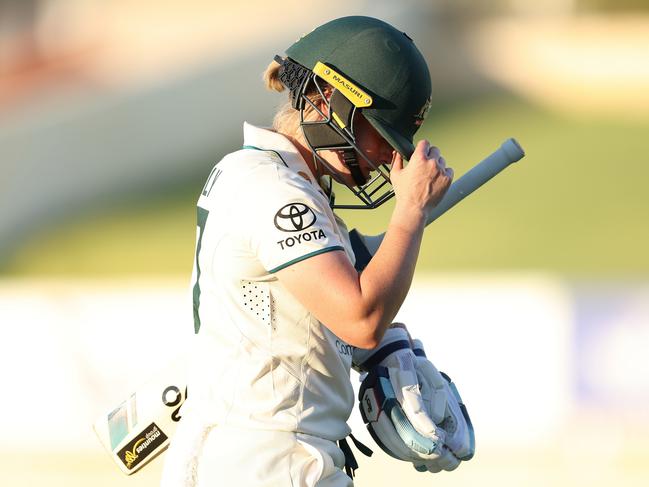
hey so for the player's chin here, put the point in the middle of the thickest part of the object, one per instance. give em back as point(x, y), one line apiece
point(368, 173)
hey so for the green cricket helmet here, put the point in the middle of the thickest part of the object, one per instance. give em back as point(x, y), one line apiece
point(373, 68)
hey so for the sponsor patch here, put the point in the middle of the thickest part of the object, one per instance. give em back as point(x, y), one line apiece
point(352, 92)
point(143, 445)
point(172, 397)
point(294, 217)
point(343, 348)
point(301, 237)
point(370, 406)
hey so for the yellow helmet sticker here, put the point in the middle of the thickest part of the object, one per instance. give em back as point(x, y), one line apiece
point(352, 92)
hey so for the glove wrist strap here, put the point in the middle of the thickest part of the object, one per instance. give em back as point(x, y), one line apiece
point(383, 353)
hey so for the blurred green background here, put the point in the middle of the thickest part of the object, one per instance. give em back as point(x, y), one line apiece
point(577, 204)
point(113, 83)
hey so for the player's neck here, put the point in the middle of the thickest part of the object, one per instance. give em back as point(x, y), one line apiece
point(307, 155)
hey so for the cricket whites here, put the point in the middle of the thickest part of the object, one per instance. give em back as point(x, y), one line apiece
point(140, 427)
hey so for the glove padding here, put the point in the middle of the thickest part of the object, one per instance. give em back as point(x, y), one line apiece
point(391, 402)
point(408, 405)
point(460, 437)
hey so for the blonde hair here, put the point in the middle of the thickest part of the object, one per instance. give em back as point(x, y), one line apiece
point(287, 119)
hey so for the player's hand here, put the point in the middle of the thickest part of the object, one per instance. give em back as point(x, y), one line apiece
point(423, 182)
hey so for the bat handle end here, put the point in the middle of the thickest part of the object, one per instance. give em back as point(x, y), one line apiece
point(513, 149)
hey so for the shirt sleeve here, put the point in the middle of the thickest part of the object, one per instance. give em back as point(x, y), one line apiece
point(292, 223)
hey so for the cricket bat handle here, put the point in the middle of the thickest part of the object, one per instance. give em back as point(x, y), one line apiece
point(509, 152)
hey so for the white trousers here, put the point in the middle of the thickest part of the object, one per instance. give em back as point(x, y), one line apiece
point(222, 456)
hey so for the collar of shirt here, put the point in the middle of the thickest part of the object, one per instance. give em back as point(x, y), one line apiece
point(265, 139)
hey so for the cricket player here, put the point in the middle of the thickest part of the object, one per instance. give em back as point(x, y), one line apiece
point(280, 311)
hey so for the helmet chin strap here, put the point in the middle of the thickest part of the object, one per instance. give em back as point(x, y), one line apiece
point(351, 162)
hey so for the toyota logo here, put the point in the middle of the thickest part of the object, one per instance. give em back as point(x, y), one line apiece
point(294, 217)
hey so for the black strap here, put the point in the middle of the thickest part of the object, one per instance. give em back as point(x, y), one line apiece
point(419, 352)
point(364, 449)
point(382, 353)
point(350, 461)
point(351, 465)
point(350, 160)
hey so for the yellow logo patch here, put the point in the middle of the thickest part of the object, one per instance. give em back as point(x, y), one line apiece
point(352, 92)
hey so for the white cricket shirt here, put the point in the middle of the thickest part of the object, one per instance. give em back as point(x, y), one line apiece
point(261, 359)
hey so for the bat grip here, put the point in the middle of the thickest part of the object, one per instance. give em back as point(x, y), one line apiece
point(509, 152)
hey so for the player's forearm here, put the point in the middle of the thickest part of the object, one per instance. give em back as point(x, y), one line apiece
point(386, 280)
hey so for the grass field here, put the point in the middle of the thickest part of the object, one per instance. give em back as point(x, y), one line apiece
point(576, 205)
